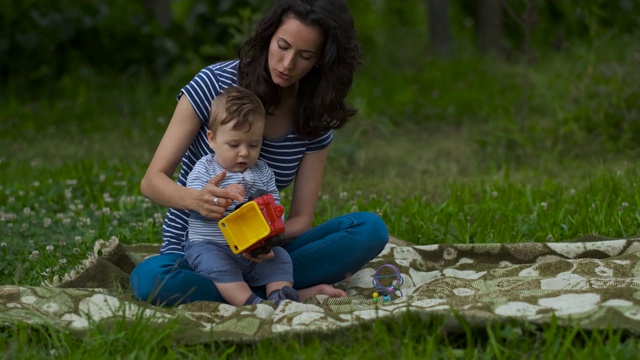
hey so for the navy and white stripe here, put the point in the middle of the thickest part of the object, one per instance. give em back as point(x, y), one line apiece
point(258, 177)
point(283, 156)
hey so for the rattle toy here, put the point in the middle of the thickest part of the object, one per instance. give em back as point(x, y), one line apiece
point(386, 291)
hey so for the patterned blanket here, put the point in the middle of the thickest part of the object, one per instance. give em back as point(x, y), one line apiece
point(590, 282)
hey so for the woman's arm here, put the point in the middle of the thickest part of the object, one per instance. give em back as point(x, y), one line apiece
point(305, 193)
point(157, 183)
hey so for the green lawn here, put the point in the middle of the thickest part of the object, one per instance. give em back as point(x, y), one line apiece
point(547, 158)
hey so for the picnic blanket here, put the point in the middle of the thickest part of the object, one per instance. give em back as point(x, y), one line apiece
point(591, 282)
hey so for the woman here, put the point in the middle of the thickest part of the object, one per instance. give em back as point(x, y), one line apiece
point(300, 62)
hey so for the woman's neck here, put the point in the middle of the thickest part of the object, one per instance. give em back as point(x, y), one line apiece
point(289, 93)
point(279, 124)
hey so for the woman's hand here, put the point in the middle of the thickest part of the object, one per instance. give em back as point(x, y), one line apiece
point(212, 201)
point(260, 258)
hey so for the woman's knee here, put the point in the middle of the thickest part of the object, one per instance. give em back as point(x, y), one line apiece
point(373, 228)
point(147, 277)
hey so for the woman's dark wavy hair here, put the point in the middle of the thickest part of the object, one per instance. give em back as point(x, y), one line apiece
point(321, 92)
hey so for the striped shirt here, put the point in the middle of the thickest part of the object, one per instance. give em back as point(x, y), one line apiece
point(258, 177)
point(282, 155)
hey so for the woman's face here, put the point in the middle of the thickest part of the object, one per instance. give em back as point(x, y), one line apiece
point(294, 49)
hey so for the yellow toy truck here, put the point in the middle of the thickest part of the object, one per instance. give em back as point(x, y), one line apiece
point(254, 226)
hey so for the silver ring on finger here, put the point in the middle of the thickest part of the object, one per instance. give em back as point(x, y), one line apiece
point(216, 201)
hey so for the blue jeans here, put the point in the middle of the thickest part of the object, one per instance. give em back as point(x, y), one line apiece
point(325, 254)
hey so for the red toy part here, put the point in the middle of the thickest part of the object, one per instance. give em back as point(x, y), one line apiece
point(272, 213)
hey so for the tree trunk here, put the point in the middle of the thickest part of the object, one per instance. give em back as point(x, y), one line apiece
point(489, 30)
point(440, 39)
point(161, 10)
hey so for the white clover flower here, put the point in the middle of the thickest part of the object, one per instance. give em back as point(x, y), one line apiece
point(8, 216)
point(46, 222)
point(72, 182)
point(544, 205)
point(343, 195)
point(325, 197)
point(494, 194)
point(63, 262)
point(78, 239)
point(49, 248)
point(35, 254)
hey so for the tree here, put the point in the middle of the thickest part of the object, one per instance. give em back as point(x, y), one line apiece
point(161, 10)
point(489, 30)
point(440, 38)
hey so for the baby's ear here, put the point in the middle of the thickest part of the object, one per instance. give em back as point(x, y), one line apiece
point(211, 139)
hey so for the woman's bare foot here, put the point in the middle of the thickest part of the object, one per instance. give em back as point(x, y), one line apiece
point(322, 289)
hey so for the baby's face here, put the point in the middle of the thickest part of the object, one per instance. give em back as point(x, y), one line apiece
point(237, 150)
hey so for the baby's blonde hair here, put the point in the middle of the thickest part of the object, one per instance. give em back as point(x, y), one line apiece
point(235, 104)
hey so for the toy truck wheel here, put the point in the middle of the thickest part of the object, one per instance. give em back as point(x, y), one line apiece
point(259, 251)
point(257, 194)
point(270, 243)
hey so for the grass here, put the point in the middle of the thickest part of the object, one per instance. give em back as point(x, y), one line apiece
point(72, 157)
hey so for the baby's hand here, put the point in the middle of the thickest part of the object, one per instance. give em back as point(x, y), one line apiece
point(236, 189)
point(260, 258)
